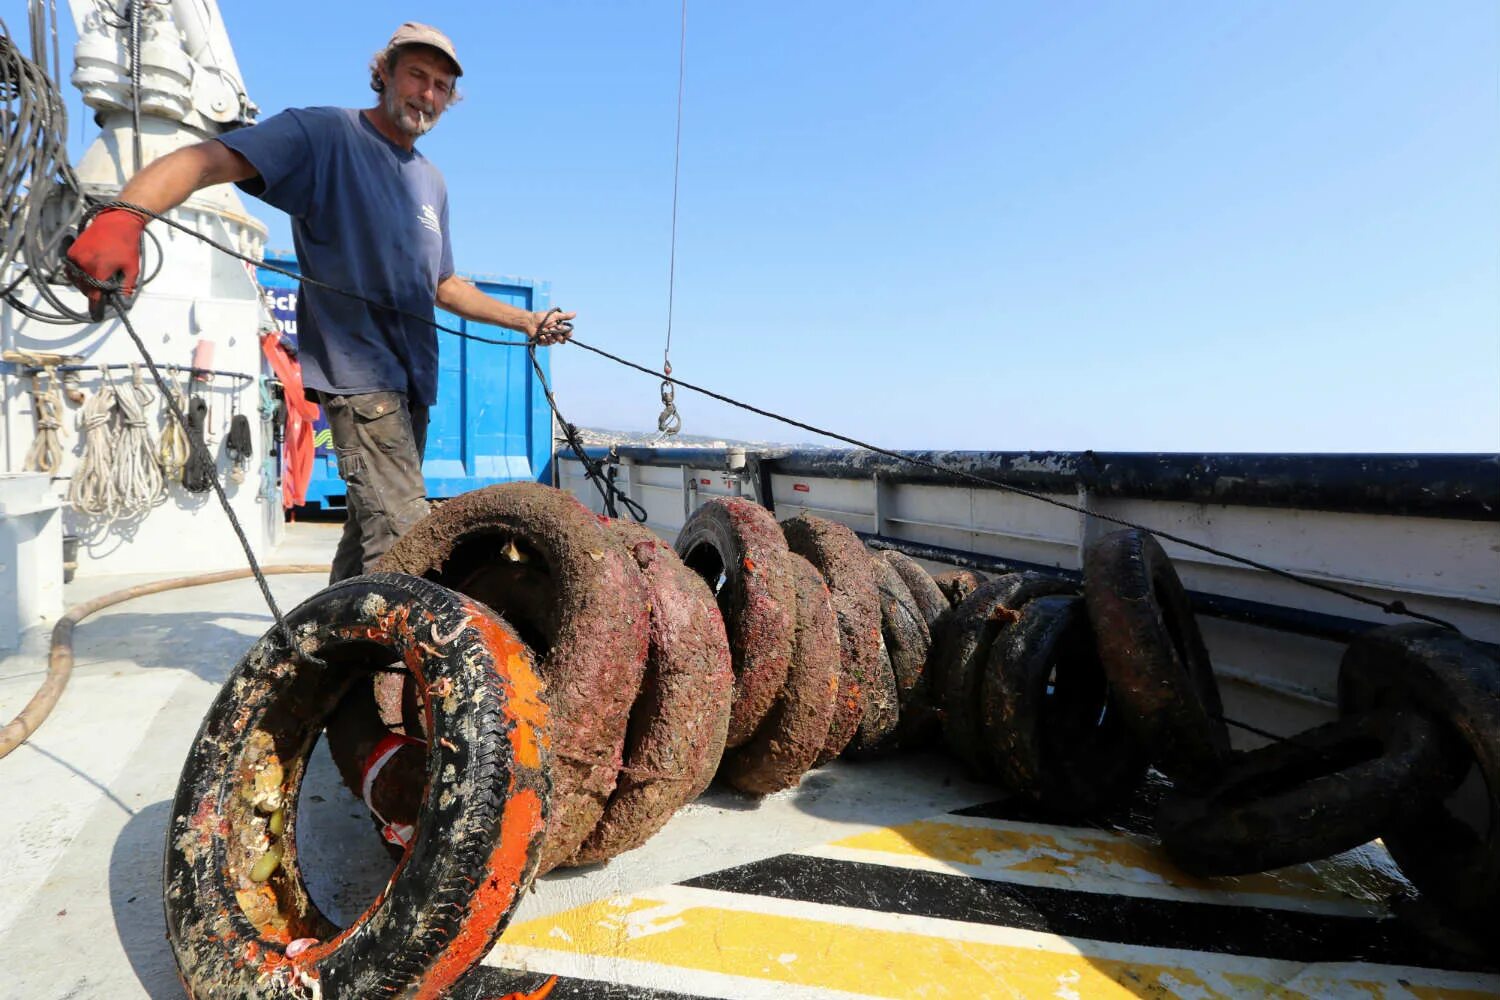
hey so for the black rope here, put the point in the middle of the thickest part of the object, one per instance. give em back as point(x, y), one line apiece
point(237, 444)
point(609, 492)
point(112, 296)
point(198, 474)
point(1396, 607)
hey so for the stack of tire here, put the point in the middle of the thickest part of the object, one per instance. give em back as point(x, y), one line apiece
point(524, 685)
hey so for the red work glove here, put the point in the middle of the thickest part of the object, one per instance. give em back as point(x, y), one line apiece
point(110, 247)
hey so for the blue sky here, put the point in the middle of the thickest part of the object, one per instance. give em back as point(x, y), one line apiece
point(1123, 226)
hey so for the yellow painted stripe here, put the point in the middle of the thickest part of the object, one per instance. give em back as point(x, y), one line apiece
point(1101, 861)
point(809, 945)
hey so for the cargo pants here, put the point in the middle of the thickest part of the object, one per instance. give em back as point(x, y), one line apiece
point(380, 439)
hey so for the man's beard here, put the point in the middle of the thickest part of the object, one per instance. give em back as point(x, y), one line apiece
point(405, 118)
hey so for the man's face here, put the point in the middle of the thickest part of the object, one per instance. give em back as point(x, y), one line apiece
point(417, 90)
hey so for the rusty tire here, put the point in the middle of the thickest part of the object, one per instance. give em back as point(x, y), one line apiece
point(1154, 654)
point(789, 742)
point(677, 726)
point(478, 837)
point(1456, 684)
point(1321, 792)
point(1052, 730)
point(907, 643)
point(963, 650)
point(924, 589)
point(732, 543)
point(867, 689)
point(957, 584)
point(569, 588)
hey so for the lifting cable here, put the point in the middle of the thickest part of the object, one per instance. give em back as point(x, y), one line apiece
point(34, 160)
point(1396, 607)
point(670, 421)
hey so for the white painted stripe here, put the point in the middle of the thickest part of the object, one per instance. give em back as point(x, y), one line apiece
point(1101, 885)
point(653, 976)
point(1220, 970)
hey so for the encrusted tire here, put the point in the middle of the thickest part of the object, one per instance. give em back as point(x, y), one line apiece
point(239, 917)
point(569, 588)
point(1450, 847)
point(1154, 654)
point(677, 726)
point(789, 742)
point(957, 584)
point(1053, 731)
point(867, 681)
point(734, 545)
point(907, 644)
point(963, 649)
point(1314, 795)
point(924, 589)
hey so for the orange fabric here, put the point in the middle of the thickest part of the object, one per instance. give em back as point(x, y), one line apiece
point(301, 414)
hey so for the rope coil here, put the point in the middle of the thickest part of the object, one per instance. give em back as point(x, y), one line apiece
point(46, 451)
point(93, 490)
point(137, 473)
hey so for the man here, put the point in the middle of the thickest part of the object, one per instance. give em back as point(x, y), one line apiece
point(369, 214)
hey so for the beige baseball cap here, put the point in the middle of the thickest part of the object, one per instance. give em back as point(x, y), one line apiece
point(412, 33)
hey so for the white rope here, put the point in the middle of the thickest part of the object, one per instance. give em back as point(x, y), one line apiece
point(92, 491)
point(137, 476)
point(173, 452)
point(46, 451)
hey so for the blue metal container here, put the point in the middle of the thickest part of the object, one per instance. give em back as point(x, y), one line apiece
point(491, 423)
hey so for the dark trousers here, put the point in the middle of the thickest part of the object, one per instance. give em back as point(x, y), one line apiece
point(380, 438)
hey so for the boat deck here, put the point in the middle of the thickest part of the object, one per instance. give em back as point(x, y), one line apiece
point(896, 878)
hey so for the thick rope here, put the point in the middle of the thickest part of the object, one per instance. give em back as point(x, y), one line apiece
point(46, 451)
point(201, 472)
point(137, 475)
point(238, 447)
point(92, 490)
point(172, 453)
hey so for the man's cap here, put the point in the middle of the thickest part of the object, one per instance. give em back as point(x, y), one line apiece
point(412, 33)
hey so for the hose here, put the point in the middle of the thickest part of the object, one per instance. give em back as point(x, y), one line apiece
point(60, 655)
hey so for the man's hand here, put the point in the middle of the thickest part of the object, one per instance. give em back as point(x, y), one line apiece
point(109, 248)
point(552, 327)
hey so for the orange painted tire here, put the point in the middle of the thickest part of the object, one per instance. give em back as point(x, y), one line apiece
point(239, 917)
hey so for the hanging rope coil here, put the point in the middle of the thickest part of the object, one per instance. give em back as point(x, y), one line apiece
point(199, 472)
point(172, 453)
point(92, 490)
point(237, 445)
point(46, 451)
point(137, 474)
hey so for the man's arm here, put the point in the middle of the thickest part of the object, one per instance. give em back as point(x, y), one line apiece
point(168, 182)
point(110, 246)
point(458, 296)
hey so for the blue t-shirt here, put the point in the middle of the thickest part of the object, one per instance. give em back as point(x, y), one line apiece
point(368, 216)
